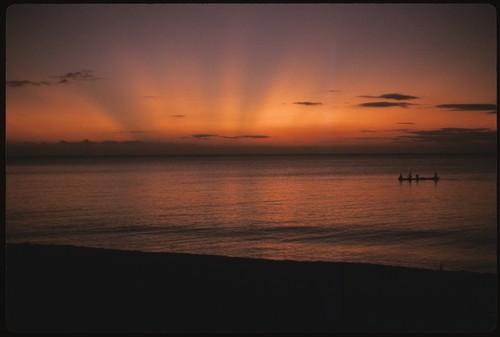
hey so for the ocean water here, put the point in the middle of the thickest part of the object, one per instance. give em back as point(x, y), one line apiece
point(348, 208)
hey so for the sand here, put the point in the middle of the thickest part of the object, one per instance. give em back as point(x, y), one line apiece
point(73, 289)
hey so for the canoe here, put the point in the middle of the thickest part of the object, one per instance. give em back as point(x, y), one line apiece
point(418, 179)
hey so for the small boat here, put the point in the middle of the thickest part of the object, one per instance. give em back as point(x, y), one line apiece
point(435, 178)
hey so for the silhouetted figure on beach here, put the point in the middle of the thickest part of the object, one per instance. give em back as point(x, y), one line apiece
point(409, 176)
point(417, 177)
point(435, 175)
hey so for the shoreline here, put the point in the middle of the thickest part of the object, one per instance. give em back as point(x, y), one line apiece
point(53, 288)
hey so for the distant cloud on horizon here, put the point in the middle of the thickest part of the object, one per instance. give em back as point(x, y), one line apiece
point(385, 130)
point(132, 131)
point(70, 77)
point(384, 104)
point(205, 136)
point(90, 142)
point(395, 96)
point(406, 123)
point(178, 116)
point(491, 108)
point(254, 136)
point(77, 76)
point(450, 135)
point(23, 83)
point(308, 103)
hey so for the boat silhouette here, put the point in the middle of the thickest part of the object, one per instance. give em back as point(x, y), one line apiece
point(417, 178)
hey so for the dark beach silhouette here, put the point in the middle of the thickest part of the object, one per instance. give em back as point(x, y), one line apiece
point(68, 289)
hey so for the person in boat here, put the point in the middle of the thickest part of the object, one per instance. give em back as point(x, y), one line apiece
point(401, 176)
point(417, 177)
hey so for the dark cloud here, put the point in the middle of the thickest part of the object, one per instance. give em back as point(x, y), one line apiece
point(395, 96)
point(384, 104)
point(386, 130)
point(87, 141)
point(254, 136)
point(77, 76)
point(203, 136)
point(398, 97)
point(207, 136)
point(350, 139)
point(406, 123)
point(178, 116)
point(491, 108)
point(450, 135)
point(308, 103)
point(133, 131)
point(370, 138)
point(23, 83)
point(16, 150)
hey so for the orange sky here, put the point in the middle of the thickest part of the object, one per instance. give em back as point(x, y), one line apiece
point(325, 75)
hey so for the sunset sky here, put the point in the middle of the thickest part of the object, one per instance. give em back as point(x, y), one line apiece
point(335, 77)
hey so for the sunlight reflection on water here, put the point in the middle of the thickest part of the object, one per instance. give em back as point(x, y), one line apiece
point(339, 208)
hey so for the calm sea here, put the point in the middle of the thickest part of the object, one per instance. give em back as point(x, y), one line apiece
point(346, 208)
